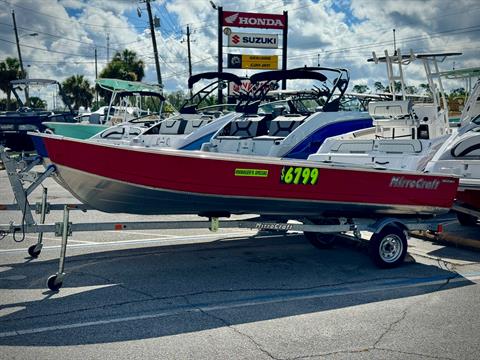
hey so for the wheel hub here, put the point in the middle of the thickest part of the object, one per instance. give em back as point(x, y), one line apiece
point(391, 248)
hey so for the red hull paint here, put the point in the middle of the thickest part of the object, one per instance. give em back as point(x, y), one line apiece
point(469, 197)
point(204, 173)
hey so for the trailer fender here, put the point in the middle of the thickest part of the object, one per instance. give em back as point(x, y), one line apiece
point(380, 224)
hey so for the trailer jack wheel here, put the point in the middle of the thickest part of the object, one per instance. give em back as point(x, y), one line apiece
point(34, 251)
point(388, 248)
point(54, 283)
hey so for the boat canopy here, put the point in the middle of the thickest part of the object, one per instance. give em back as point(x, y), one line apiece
point(118, 85)
point(33, 82)
point(461, 73)
point(286, 74)
point(214, 75)
point(413, 56)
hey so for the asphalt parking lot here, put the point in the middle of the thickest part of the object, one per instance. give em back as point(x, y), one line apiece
point(196, 294)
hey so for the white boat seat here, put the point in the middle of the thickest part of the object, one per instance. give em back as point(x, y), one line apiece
point(390, 109)
point(352, 147)
point(173, 126)
point(398, 146)
point(399, 123)
point(283, 125)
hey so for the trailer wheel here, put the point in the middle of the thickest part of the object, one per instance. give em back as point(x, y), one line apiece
point(388, 248)
point(319, 240)
point(53, 284)
point(466, 219)
point(33, 251)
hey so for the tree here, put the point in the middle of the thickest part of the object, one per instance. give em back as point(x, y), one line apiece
point(9, 70)
point(77, 91)
point(379, 87)
point(125, 65)
point(37, 103)
point(425, 89)
point(361, 89)
point(411, 90)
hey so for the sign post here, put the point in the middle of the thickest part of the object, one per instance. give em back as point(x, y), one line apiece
point(284, 48)
point(220, 52)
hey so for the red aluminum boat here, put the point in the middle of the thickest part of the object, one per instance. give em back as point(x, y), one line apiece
point(143, 180)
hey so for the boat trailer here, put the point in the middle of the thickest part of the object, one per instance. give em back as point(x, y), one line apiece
point(387, 245)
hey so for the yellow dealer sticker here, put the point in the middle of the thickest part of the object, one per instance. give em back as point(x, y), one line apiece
point(251, 172)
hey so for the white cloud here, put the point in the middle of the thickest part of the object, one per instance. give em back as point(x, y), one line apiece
point(342, 32)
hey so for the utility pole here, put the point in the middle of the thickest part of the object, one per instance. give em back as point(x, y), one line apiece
point(394, 43)
point(189, 54)
point(318, 60)
point(220, 50)
point(19, 53)
point(108, 47)
point(96, 77)
point(154, 42)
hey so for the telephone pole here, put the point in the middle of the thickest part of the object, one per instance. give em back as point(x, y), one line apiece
point(19, 53)
point(189, 54)
point(108, 47)
point(96, 77)
point(154, 42)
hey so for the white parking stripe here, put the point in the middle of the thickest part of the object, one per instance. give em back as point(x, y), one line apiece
point(261, 300)
point(136, 242)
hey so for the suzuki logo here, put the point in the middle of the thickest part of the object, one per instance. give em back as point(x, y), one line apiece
point(235, 39)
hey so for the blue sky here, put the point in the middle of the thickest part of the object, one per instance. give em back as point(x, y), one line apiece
point(341, 33)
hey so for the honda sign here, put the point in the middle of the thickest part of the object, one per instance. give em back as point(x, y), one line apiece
point(253, 20)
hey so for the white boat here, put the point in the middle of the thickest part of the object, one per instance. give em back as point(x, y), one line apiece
point(294, 126)
point(188, 129)
point(460, 155)
point(405, 134)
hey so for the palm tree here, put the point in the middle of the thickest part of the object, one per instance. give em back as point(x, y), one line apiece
point(9, 70)
point(125, 65)
point(77, 91)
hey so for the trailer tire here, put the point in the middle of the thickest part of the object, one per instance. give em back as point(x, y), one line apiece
point(319, 240)
point(388, 248)
point(466, 219)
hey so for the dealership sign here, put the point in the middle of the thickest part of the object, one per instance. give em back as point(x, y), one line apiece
point(253, 20)
point(265, 41)
point(261, 62)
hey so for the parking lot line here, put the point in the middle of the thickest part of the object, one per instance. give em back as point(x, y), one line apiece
point(385, 285)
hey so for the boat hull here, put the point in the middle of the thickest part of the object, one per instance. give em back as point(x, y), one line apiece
point(158, 181)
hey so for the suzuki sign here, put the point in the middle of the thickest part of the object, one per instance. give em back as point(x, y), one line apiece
point(265, 41)
point(253, 20)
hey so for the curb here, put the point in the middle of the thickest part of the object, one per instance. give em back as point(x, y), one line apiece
point(448, 238)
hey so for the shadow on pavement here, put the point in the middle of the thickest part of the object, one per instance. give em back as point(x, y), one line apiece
point(150, 292)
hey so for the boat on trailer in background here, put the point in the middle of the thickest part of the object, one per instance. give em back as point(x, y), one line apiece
point(295, 126)
point(460, 155)
point(405, 135)
point(14, 125)
point(131, 102)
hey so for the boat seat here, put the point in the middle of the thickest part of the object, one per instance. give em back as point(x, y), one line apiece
point(351, 147)
point(193, 125)
point(390, 109)
point(173, 126)
point(248, 127)
point(398, 146)
point(94, 118)
point(283, 125)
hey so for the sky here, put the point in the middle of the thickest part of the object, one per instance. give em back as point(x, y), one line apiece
point(341, 33)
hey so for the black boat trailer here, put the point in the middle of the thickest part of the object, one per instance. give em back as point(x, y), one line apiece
point(387, 245)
